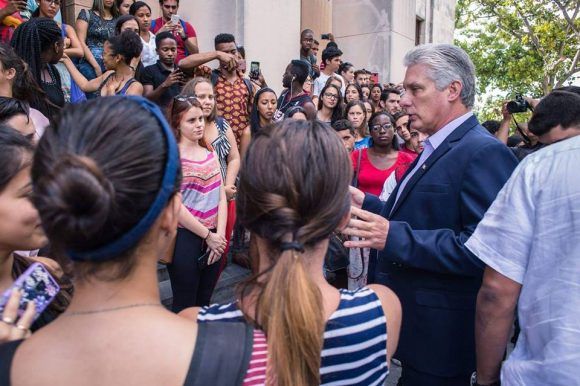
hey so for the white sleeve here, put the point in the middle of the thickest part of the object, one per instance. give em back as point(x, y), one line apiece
point(388, 187)
point(504, 237)
point(316, 87)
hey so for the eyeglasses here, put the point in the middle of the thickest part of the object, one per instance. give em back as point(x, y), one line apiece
point(386, 127)
point(331, 96)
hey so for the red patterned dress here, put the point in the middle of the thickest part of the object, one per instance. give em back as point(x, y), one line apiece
point(232, 101)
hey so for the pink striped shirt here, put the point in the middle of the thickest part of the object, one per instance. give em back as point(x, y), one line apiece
point(256, 374)
point(200, 188)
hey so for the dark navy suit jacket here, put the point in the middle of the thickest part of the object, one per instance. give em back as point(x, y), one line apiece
point(425, 261)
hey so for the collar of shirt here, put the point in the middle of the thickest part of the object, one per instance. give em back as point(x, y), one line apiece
point(437, 139)
point(163, 69)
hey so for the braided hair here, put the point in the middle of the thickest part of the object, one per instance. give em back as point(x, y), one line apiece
point(30, 40)
point(34, 37)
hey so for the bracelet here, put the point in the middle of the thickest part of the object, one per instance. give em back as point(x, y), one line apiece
point(208, 234)
point(475, 383)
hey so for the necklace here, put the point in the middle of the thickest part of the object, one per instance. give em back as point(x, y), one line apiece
point(91, 312)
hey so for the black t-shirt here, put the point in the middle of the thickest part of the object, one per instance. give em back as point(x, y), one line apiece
point(154, 75)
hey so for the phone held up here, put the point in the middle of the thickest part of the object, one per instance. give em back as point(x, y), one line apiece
point(36, 285)
point(325, 36)
point(175, 19)
point(255, 70)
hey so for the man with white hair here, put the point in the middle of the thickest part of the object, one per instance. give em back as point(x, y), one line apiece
point(419, 233)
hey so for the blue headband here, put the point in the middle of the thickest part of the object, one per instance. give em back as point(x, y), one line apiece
point(135, 234)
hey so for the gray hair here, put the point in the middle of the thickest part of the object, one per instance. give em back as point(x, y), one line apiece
point(446, 63)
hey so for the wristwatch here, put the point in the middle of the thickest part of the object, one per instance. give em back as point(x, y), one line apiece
point(474, 381)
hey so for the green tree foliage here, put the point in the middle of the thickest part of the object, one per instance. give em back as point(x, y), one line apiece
point(519, 46)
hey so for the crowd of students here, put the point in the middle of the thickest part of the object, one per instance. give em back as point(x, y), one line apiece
point(121, 149)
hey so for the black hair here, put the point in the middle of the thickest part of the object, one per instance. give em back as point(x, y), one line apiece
point(387, 91)
point(13, 149)
point(573, 89)
point(255, 114)
point(316, 42)
point(514, 140)
point(358, 89)
point(300, 69)
point(10, 107)
point(137, 6)
point(162, 1)
point(359, 72)
point(162, 36)
point(557, 108)
point(344, 66)
point(376, 85)
point(343, 124)
point(294, 110)
point(128, 44)
point(224, 38)
point(399, 114)
point(242, 51)
point(395, 142)
point(122, 20)
point(332, 45)
point(330, 53)
point(32, 38)
point(95, 174)
point(304, 32)
point(337, 110)
point(491, 125)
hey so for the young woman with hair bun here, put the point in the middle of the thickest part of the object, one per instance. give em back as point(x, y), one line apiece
point(292, 200)
point(119, 51)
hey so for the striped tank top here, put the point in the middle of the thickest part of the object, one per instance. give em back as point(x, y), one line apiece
point(355, 339)
point(200, 188)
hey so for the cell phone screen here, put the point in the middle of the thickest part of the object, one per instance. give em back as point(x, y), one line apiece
point(36, 285)
point(254, 70)
point(175, 19)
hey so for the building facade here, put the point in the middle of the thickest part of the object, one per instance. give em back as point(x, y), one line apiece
point(373, 34)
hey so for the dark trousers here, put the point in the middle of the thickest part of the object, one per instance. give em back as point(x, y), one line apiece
point(191, 286)
point(412, 377)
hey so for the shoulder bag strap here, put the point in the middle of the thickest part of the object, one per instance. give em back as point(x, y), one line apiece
point(7, 351)
point(222, 354)
point(357, 171)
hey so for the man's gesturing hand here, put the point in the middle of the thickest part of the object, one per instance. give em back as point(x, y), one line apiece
point(371, 228)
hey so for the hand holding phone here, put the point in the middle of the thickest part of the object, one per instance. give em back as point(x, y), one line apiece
point(12, 327)
point(35, 285)
point(255, 70)
point(175, 19)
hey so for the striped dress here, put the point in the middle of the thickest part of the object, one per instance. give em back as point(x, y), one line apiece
point(200, 188)
point(355, 340)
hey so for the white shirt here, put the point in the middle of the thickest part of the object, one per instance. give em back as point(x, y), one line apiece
point(531, 234)
point(149, 54)
point(431, 144)
point(320, 82)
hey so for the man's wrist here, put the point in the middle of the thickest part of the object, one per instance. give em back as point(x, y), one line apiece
point(476, 382)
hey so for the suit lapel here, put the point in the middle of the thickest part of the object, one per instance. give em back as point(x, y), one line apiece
point(445, 146)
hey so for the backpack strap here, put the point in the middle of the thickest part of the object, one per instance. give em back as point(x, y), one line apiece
point(153, 24)
point(222, 354)
point(7, 351)
point(185, 32)
point(357, 170)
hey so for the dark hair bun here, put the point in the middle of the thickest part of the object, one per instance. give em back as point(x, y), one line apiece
point(80, 199)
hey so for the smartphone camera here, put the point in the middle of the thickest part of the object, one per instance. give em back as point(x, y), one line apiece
point(255, 70)
point(325, 37)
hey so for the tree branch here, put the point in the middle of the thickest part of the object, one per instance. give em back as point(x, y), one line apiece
point(534, 39)
point(569, 20)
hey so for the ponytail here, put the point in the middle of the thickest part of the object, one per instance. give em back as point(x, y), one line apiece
point(290, 310)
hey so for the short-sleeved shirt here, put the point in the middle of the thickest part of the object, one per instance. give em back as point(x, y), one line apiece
point(99, 29)
point(232, 101)
point(531, 234)
point(187, 28)
point(155, 75)
point(149, 54)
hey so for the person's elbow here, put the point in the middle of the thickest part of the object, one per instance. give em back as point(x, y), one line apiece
point(498, 294)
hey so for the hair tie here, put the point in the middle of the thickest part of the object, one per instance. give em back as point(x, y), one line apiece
point(166, 190)
point(293, 245)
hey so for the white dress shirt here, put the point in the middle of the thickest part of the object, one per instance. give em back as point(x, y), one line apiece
point(531, 234)
point(430, 145)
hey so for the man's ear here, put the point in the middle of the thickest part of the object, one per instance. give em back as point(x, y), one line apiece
point(454, 90)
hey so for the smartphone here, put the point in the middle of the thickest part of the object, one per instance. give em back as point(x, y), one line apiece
point(254, 70)
point(324, 37)
point(175, 19)
point(36, 285)
point(375, 78)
